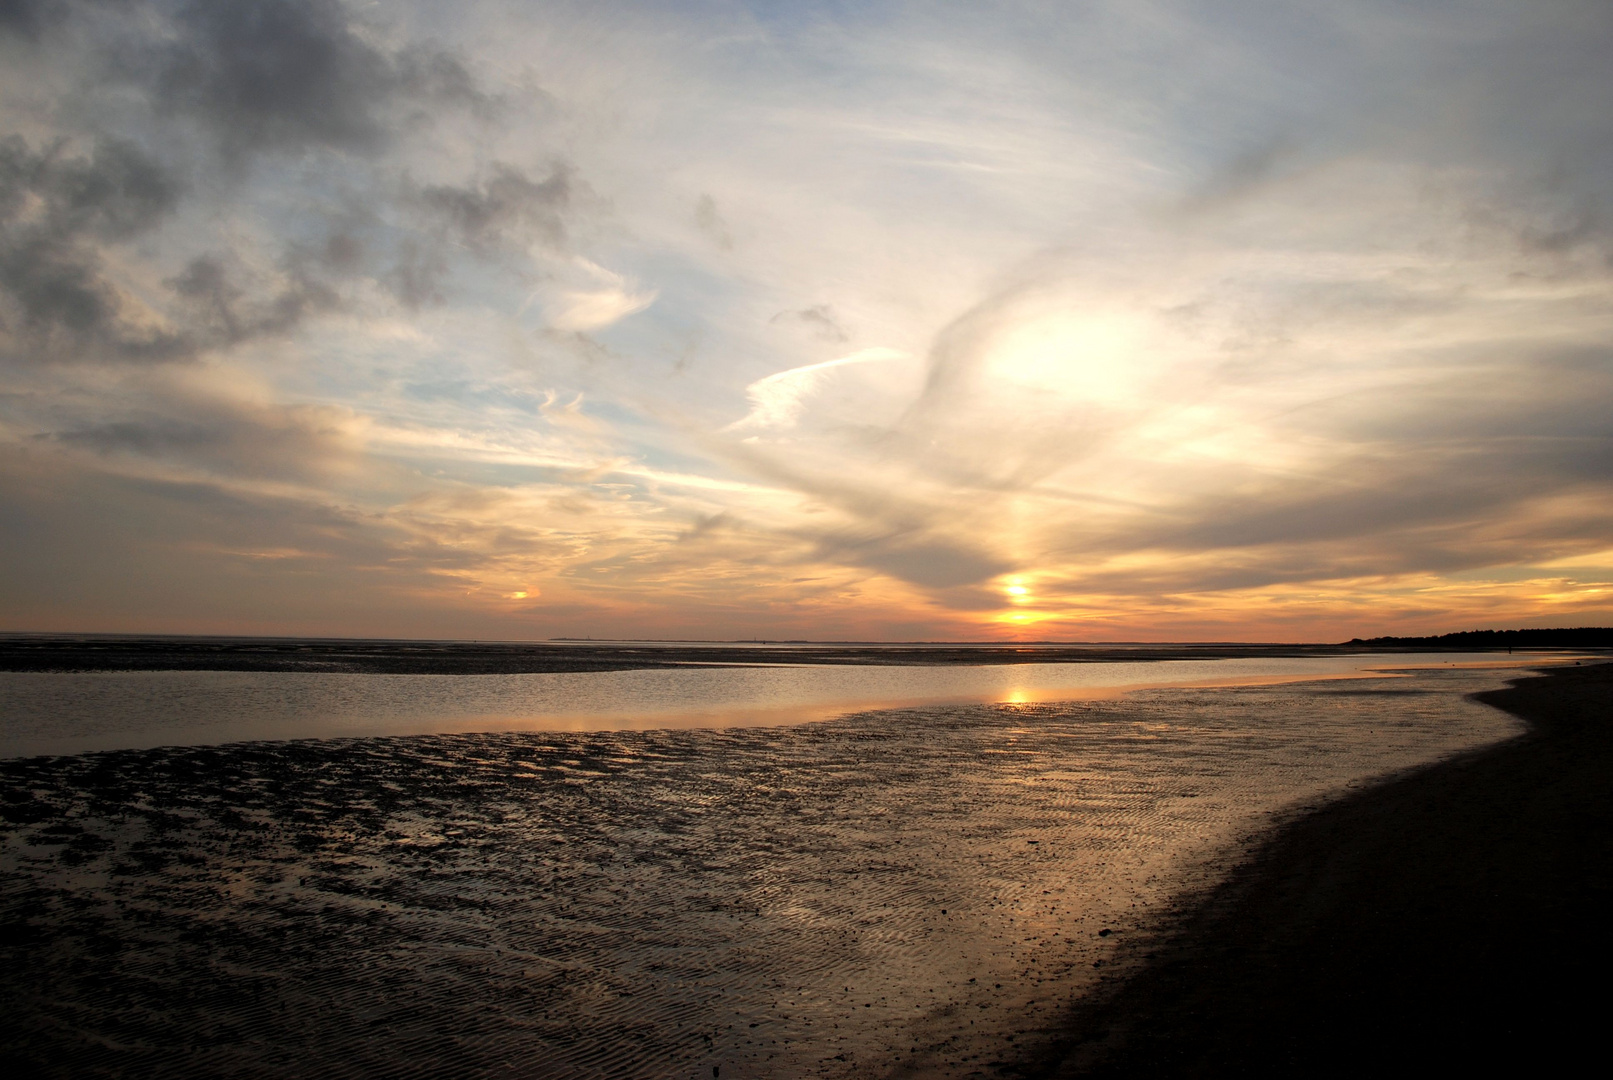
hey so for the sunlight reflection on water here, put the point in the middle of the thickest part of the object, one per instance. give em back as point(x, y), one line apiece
point(76, 712)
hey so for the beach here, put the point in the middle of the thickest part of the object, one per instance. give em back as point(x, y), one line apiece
point(906, 892)
point(1454, 919)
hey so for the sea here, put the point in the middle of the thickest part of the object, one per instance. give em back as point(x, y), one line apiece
point(74, 712)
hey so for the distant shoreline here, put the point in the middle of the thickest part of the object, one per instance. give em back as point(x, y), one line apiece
point(92, 653)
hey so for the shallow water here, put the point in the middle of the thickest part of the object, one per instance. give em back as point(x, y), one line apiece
point(919, 889)
point(55, 713)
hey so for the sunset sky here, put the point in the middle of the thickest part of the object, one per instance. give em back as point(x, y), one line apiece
point(1127, 320)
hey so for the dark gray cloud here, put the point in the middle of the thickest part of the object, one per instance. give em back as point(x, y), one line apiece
point(502, 212)
point(225, 439)
point(505, 207)
point(223, 313)
point(255, 77)
point(417, 275)
point(56, 210)
point(288, 74)
point(29, 19)
point(259, 75)
point(61, 213)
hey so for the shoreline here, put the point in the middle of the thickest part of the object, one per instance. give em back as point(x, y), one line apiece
point(1453, 917)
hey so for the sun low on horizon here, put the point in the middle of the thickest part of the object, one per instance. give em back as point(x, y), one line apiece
point(1132, 321)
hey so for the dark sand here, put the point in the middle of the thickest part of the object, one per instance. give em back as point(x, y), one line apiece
point(1456, 919)
point(51, 652)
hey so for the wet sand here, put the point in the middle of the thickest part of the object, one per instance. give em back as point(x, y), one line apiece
point(1454, 920)
point(916, 892)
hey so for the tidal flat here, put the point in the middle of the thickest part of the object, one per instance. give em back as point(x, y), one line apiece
point(916, 891)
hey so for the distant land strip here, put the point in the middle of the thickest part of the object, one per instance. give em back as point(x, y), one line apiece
point(1582, 637)
point(109, 652)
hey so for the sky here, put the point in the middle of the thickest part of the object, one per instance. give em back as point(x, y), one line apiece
point(1128, 320)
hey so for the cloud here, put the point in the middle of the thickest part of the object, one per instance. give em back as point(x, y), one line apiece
point(777, 401)
point(286, 74)
point(225, 314)
point(611, 298)
point(580, 312)
point(929, 561)
point(505, 208)
point(153, 553)
point(1243, 176)
point(56, 212)
point(28, 19)
point(710, 222)
point(147, 247)
point(819, 319)
point(201, 435)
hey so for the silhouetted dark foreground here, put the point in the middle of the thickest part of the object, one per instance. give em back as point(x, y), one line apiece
point(1454, 918)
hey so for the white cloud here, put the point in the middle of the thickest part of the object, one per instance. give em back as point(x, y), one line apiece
point(611, 298)
point(581, 312)
point(777, 401)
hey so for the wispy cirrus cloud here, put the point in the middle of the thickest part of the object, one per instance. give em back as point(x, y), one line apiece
point(777, 400)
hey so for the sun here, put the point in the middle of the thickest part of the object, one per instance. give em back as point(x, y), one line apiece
point(1015, 590)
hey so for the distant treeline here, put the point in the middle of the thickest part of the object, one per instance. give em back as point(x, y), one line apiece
point(1583, 637)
